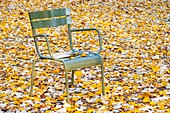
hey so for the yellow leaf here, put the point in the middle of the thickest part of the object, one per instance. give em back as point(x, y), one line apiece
point(146, 99)
point(21, 108)
point(116, 12)
point(39, 90)
point(83, 54)
point(129, 111)
point(14, 89)
point(77, 111)
point(78, 73)
point(168, 53)
point(0, 37)
point(125, 74)
point(47, 111)
point(22, 47)
point(69, 109)
point(24, 57)
point(93, 85)
point(26, 97)
point(108, 88)
point(152, 103)
point(52, 45)
point(161, 105)
point(98, 100)
point(78, 37)
point(168, 71)
point(126, 88)
point(41, 31)
point(23, 86)
point(56, 35)
point(45, 74)
point(56, 71)
point(118, 83)
point(90, 110)
point(155, 68)
point(37, 99)
point(48, 99)
point(55, 108)
point(120, 49)
point(137, 111)
point(167, 111)
point(155, 27)
point(17, 102)
point(78, 80)
point(2, 95)
point(36, 105)
point(122, 64)
point(135, 76)
point(162, 92)
point(61, 97)
point(75, 98)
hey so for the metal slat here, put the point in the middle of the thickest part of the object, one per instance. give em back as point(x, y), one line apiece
point(54, 22)
point(49, 13)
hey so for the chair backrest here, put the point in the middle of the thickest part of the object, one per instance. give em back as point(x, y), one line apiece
point(50, 18)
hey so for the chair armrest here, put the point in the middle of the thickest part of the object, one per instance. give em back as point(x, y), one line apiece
point(91, 29)
point(48, 46)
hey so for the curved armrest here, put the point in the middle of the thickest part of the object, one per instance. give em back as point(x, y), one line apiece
point(90, 29)
point(48, 46)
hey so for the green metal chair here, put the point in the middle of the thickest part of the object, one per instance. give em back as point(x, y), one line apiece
point(55, 18)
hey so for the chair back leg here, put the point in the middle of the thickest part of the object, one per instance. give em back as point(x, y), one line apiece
point(102, 75)
point(32, 77)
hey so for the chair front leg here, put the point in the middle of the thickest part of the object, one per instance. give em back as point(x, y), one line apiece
point(102, 74)
point(32, 77)
point(72, 78)
point(67, 86)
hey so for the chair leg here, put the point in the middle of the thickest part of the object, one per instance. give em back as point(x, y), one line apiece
point(32, 77)
point(67, 86)
point(72, 78)
point(102, 74)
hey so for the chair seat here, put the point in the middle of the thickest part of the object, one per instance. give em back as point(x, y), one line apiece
point(82, 62)
point(78, 61)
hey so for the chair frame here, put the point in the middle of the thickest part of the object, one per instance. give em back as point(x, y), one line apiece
point(68, 65)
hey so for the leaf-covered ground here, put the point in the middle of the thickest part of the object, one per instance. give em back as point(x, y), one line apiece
point(136, 54)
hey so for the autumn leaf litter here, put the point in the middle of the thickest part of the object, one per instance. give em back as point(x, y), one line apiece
point(136, 54)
